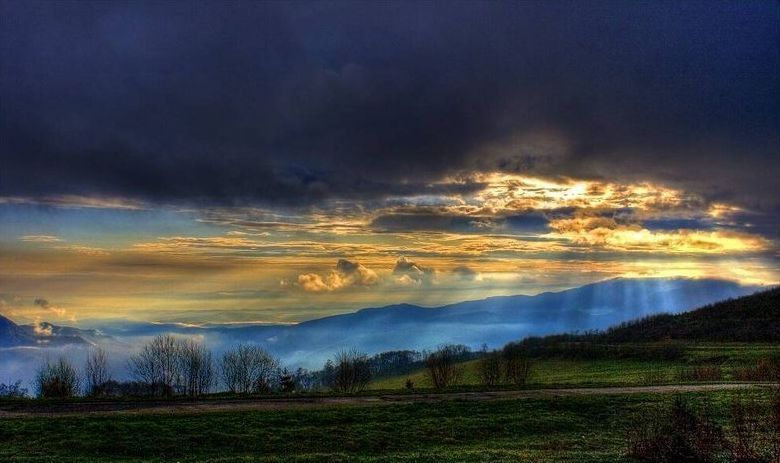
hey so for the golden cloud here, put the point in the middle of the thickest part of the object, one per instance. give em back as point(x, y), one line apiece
point(603, 232)
point(346, 274)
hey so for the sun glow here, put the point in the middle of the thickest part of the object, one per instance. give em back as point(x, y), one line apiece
point(501, 234)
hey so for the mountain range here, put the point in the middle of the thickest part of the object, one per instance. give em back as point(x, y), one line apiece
point(492, 321)
point(45, 335)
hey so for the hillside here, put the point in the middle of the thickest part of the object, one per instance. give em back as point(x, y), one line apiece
point(750, 318)
point(45, 335)
point(493, 321)
point(12, 334)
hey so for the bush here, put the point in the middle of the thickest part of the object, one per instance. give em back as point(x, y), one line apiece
point(489, 368)
point(287, 382)
point(196, 367)
point(351, 373)
point(747, 440)
point(171, 365)
point(158, 364)
point(517, 364)
point(247, 368)
point(766, 369)
point(57, 380)
point(700, 373)
point(96, 372)
point(442, 366)
point(679, 433)
point(12, 391)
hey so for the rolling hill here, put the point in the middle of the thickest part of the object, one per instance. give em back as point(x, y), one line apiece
point(750, 318)
point(493, 321)
point(12, 335)
point(44, 335)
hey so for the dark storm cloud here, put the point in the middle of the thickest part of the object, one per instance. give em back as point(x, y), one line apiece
point(291, 103)
point(532, 222)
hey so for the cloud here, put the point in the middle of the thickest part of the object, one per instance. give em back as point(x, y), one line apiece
point(603, 232)
point(466, 273)
point(346, 274)
point(42, 329)
point(76, 202)
point(44, 304)
point(407, 272)
point(40, 238)
point(346, 103)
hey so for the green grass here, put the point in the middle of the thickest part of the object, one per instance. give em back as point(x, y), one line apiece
point(549, 372)
point(582, 429)
point(569, 373)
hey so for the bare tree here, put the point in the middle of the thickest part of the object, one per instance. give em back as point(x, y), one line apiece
point(247, 368)
point(351, 371)
point(12, 390)
point(517, 364)
point(96, 372)
point(57, 380)
point(158, 364)
point(489, 368)
point(442, 366)
point(196, 367)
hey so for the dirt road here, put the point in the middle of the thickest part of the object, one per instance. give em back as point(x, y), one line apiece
point(27, 409)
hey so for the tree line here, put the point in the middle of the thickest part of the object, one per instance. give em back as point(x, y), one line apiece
point(169, 366)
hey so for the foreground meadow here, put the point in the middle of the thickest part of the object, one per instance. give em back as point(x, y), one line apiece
point(556, 429)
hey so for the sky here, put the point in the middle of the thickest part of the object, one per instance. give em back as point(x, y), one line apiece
point(223, 162)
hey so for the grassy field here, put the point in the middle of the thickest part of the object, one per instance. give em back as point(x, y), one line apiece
point(581, 429)
point(560, 372)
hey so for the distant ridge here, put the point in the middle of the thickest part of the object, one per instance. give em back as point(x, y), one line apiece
point(12, 335)
point(44, 334)
point(753, 318)
point(493, 321)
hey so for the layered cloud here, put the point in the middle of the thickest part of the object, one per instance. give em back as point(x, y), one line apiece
point(378, 99)
point(346, 274)
point(498, 148)
point(44, 304)
point(408, 272)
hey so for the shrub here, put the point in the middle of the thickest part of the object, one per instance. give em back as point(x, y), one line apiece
point(286, 382)
point(517, 364)
point(746, 442)
point(766, 369)
point(700, 373)
point(248, 368)
point(442, 366)
point(96, 372)
point(158, 364)
point(12, 391)
point(196, 367)
point(351, 373)
point(57, 380)
point(679, 433)
point(489, 368)
point(169, 365)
